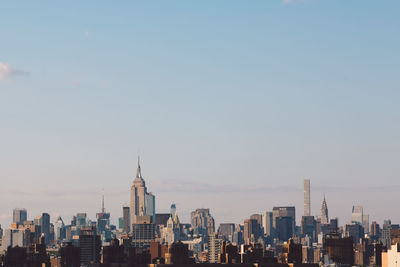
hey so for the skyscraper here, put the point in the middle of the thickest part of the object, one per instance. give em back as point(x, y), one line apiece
point(103, 223)
point(126, 219)
point(142, 202)
point(202, 222)
point(43, 222)
point(357, 215)
point(19, 216)
point(324, 212)
point(59, 231)
point(214, 248)
point(267, 223)
point(90, 246)
point(307, 198)
point(366, 223)
point(284, 212)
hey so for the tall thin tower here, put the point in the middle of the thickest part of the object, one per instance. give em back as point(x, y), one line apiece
point(142, 202)
point(324, 212)
point(307, 198)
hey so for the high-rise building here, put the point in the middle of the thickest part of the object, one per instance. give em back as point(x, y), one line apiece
point(339, 250)
point(267, 223)
point(43, 222)
point(324, 212)
point(307, 198)
point(354, 230)
point(103, 223)
point(214, 248)
point(59, 229)
point(251, 231)
point(284, 227)
point(126, 215)
point(81, 220)
point(375, 230)
point(142, 202)
point(90, 246)
point(19, 216)
point(226, 231)
point(12, 238)
point(284, 212)
point(143, 231)
point(385, 237)
point(308, 227)
point(357, 215)
point(202, 222)
point(365, 223)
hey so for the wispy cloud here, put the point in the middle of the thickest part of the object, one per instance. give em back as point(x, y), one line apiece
point(6, 70)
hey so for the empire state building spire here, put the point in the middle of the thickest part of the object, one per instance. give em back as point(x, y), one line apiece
point(139, 171)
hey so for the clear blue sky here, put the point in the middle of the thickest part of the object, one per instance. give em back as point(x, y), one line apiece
point(230, 104)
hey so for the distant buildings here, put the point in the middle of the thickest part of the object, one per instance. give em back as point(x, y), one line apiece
point(103, 223)
point(324, 212)
point(19, 216)
point(284, 221)
point(357, 215)
point(226, 231)
point(59, 229)
point(202, 222)
point(43, 222)
point(339, 250)
point(307, 198)
point(267, 223)
point(126, 217)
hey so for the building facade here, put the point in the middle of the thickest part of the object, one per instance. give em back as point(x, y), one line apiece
point(307, 198)
point(142, 203)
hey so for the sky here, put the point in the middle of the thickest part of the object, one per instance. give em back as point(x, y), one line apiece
point(230, 105)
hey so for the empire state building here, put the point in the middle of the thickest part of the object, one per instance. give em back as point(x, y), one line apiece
point(142, 206)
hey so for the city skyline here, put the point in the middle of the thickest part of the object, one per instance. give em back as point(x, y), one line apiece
point(186, 215)
point(228, 103)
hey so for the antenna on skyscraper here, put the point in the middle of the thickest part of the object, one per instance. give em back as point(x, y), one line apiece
point(102, 203)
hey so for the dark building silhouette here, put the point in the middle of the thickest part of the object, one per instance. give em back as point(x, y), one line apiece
point(179, 254)
point(339, 250)
point(251, 231)
point(70, 255)
point(126, 214)
point(114, 253)
point(90, 246)
point(355, 230)
point(16, 256)
point(375, 231)
point(308, 227)
point(284, 227)
point(34, 255)
point(291, 252)
point(229, 254)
